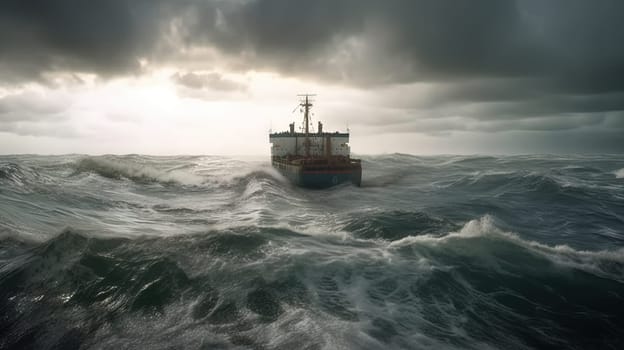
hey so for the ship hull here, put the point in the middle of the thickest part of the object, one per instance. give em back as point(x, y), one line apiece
point(319, 174)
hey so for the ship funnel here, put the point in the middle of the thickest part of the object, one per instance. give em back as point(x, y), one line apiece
point(320, 127)
point(292, 128)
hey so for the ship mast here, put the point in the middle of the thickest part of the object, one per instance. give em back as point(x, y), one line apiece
point(306, 103)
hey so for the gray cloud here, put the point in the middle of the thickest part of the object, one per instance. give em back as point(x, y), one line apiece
point(63, 130)
point(35, 114)
point(572, 44)
point(490, 65)
point(32, 106)
point(105, 37)
point(214, 81)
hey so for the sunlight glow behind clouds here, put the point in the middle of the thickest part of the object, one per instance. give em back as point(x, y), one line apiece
point(155, 114)
point(151, 114)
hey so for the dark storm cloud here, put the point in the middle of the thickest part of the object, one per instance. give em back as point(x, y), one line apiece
point(493, 64)
point(105, 37)
point(572, 43)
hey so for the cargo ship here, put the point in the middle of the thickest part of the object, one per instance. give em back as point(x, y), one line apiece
point(314, 159)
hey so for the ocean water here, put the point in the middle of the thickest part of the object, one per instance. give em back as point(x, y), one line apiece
point(203, 252)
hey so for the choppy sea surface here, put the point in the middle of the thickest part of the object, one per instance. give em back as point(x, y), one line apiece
point(204, 252)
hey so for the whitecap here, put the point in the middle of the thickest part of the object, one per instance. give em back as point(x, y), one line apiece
point(604, 263)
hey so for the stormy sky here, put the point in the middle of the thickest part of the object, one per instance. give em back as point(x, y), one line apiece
point(213, 76)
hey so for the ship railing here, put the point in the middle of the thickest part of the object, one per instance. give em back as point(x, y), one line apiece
point(318, 161)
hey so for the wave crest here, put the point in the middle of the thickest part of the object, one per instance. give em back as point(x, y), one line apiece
point(17, 174)
point(604, 263)
point(12, 172)
point(117, 168)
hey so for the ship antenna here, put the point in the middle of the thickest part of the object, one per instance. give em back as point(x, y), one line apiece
point(306, 103)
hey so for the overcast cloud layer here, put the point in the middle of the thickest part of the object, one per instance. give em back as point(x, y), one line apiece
point(553, 68)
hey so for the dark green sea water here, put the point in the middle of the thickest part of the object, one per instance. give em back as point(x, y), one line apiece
point(201, 252)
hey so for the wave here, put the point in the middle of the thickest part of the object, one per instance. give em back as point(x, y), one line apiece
point(395, 224)
point(242, 286)
point(13, 173)
point(118, 168)
point(619, 174)
point(18, 174)
point(603, 263)
point(238, 256)
point(521, 183)
point(242, 177)
point(392, 178)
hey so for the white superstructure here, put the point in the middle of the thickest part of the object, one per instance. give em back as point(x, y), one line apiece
point(306, 143)
point(320, 144)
